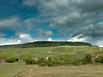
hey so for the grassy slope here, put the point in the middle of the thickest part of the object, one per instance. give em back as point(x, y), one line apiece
point(47, 44)
point(68, 71)
point(12, 70)
point(6, 70)
point(64, 51)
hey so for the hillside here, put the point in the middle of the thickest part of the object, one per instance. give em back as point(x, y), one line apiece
point(28, 60)
point(67, 56)
point(48, 44)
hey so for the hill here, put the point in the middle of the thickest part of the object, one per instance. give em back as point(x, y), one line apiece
point(48, 44)
point(65, 56)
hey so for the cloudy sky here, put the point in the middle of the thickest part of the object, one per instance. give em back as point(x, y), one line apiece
point(23, 21)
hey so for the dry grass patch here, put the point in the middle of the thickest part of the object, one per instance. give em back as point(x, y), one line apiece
point(66, 71)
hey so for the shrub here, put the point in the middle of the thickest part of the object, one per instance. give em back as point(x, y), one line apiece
point(79, 62)
point(42, 62)
point(99, 59)
point(46, 62)
point(30, 61)
point(88, 58)
point(52, 62)
point(84, 60)
point(11, 60)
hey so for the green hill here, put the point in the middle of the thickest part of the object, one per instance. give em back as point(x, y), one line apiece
point(19, 59)
point(48, 44)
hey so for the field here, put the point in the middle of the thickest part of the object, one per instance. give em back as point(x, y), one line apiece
point(10, 69)
point(20, 69)
point(62, 51)
point(68, 71)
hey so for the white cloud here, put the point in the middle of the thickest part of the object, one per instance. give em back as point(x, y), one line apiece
point(21, 38)
point(78, 39)
point(24, 38)
point(99, 43)
point(49, 33)
point(19, 41)
point(29, 3)
point(92, 32)
point(50, 39)
point(11, 41)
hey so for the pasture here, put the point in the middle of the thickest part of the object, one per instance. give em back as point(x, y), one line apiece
point(20, 69)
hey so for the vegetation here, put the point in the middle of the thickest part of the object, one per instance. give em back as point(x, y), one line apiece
point(65, 71)
point(48, 44)
point(11, 69)
point(99, 58)
point(11, 60)
point(54, 57)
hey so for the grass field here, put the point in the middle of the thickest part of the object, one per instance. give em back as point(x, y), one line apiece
point(20, 69)
point(63, 51)
point(68, 71)
point(10, 69)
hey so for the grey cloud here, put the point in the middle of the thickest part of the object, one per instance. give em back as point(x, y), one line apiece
point(71, 14)
point(29, 3)
point(66, 16)
point(74, 15)
point(22, 27)
point(91, 5)
point(2, 34)
point(93, 32)
point(42, 34)
point(13, 23)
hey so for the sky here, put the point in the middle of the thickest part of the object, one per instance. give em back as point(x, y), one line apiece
point(23, 21)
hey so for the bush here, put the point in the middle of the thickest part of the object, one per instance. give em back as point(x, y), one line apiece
point(79, 62)
point(84, 60)
point(58, 62)
point(46, 62)
point(30, 61)
point(11, 60)
point(99, 59)
point(52, 62)
point(42, 62)
point(88, 58)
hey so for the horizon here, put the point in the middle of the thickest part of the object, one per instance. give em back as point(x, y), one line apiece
point(45, 41)
point(24, 21)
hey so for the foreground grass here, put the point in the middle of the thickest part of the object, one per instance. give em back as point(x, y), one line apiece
point(10, 69)
point(66, 71)
point(15, 70)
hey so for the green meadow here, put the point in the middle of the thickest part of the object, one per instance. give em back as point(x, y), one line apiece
point(75, 62)
point(61, 51)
